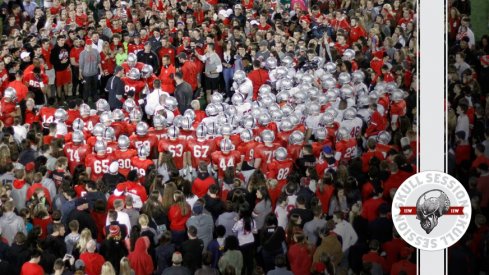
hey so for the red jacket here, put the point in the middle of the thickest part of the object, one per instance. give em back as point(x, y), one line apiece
point(139, 260)
point(201, 186)
point(300, 259)
point(93, 262)
point(370, 209)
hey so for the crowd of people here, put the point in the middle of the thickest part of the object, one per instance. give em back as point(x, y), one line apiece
point(216, 137)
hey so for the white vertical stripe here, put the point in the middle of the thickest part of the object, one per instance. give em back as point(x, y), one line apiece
point(432, 122)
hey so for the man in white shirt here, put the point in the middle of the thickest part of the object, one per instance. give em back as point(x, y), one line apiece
point(463, 123)
point(122, 217)
point(155, 98)
point(346, 231)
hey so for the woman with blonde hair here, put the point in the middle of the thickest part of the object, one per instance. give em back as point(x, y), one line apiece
point(125, 267)
point(107, 269)
point(178, 215)
point(81, 246)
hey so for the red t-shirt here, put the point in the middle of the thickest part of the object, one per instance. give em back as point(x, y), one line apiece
point(201, 186)
point(177, 220)
point(370, 210)
point(29, 268)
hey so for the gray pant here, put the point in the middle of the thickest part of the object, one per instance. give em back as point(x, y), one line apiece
point(90, 89)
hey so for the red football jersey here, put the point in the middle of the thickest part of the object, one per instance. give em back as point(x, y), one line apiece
point(149, 140)
point(279, 170)
point(90, 121)
point(76, 154)
point(294, 151)
point(119, 128)
point(176, 147)
point(99, 165)
point(223, 161)
point(91, 140)
point(347, 148)
point(112, 147)
point(248, 150)
point(317, 147)
point(47, 116)
point(271, 126)
point(141, 165)
point(136, 86)
point(200, 150)
point(160, 134)
point(127, 68)
point(124, 160)
point(72, 115)
point(265, 153)
point(283, 137)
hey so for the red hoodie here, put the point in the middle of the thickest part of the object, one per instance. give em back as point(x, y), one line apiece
point(201, 185)
point(140, 260)
point(93, 262)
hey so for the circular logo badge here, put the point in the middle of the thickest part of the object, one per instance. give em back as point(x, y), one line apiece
point(431, 210)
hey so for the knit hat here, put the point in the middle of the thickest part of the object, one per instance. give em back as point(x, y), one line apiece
point(198, 208)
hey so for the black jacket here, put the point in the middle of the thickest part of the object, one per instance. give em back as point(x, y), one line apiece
point(114, 87)
point(183, 94)
point(192, 254)
point(85, 221)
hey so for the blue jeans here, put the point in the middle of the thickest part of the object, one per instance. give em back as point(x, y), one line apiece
point(228, 79)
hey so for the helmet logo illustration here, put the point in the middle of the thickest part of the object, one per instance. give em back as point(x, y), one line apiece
point(430, 206)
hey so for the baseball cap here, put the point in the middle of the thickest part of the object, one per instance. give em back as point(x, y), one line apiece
point(254, 22)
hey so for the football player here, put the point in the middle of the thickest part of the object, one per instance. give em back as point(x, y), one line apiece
point(296, 143)
point(109, 138)
point(97, 164)
point(352, 122)
point(46, 112)
point(247, 148)
point(264, 152)
point(398, 108)
point(158, 128)
point(142, 137)
point(119, 123)
point(123, 154)
point(97, 134)
point(75, 150)
point(141, 163)
point(226, 157)
point(132, 62)
point(134, 85)
point(265, 123)
point(346, 146)
point(200, 148)
point(280, 167)
point(60, 117)
point(89, 119)
point(176, 146)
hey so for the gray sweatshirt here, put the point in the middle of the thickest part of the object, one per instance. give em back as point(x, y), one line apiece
point(89, 62)
point(10, 224)
point(204, 225)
